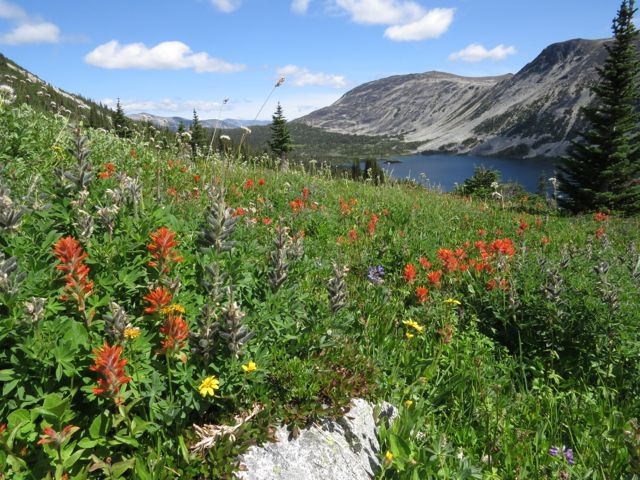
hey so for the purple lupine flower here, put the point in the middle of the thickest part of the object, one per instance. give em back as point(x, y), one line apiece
point(566, 452)
point(375, 274)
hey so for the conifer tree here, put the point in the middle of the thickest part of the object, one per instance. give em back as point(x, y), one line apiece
point(280, 143)
point(197, 134)
point(120, 122)
point(602, 169)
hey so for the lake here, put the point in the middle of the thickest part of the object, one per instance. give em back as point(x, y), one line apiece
point(444, 171)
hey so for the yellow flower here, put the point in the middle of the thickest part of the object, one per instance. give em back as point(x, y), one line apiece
point(408, 403)
point(250, 367)
point(131, 332)
point(409, 335)
point(209, 386)
point(413, 324)
point(388, 457)
point(173, 308)
point(452, 301)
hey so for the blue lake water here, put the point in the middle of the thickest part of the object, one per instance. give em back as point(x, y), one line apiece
point(444, 171)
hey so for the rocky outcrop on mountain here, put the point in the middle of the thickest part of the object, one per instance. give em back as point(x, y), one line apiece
point(534, 113)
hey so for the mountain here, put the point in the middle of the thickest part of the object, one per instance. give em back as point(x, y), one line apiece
point(172, 122)
point(29, 88)
point(534, 113)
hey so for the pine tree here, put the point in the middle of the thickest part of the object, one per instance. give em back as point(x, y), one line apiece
point(280, 143)
point(121, 122)
point(197, 134)
point(602, 168)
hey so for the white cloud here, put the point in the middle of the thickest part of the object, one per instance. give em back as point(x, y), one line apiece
point(27, 29)
point(294, 106)
point(164, 56)
point(300, 6)
point(381, 12)
point(408, 20)
point(431, 25)
point(477, 53)
point(43, 32)
point(12, 12)
point(226, 6)
point(300, 77)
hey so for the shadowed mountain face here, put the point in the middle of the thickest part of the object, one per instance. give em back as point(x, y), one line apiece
point(535, 112)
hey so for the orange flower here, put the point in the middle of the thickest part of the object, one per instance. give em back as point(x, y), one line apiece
point(600, 217)
point(297, 205)
point(422, 294)
point(176, 332)
point(249, 184)
point(426, 264)
point(504, 246)
point(371, 227)
point(157, 299)
point(261, 182)
point(69, 252)
point(409, 272)
point(434, 277)
point(353, 235)
point(305, 194)
point(600, 232)
point(49, 435)
point(109, 365)
point(162, 249)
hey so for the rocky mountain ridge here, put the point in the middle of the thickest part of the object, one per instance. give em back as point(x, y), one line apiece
point(172, 122)
point(534, 113)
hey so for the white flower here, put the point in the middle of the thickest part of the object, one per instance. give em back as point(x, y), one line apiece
point(246, 130)
point(226, 138)
point(6, 89)
point(186, 135)
point(495, 185)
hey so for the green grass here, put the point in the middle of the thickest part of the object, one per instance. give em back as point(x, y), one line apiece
point(541, 351)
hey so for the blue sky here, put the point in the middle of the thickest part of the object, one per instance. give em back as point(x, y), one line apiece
point(168, 57)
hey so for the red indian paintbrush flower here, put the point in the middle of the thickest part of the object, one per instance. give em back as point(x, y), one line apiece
point(162, 249)
point(157, 299)
point(409, 272)
point(109, 365)
point(422, 293)
point(69, 252)
point(176, 331)
point(49, 435)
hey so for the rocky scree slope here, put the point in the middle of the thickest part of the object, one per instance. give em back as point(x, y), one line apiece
point(534, 113)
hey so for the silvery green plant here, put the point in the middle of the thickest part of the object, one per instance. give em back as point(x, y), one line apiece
point(107, 217)
point(115, 321)
point(279, 265)
point(206, 331)
point(34, 309)
point(220, 224)
point(608, 291)
point(337, 287)
point(232, 330)
point(10, 276)
point(80, 178)
point(10, 215)
point(84, 224)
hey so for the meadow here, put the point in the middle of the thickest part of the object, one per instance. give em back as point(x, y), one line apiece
point(143, 291)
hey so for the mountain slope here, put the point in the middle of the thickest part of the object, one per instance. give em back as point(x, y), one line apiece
point(29, 88)
point(172, 122)
point(532, 113)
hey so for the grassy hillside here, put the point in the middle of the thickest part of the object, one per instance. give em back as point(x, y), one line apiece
point(142, 293)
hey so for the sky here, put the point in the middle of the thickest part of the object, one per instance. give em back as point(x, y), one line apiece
point(168, 57)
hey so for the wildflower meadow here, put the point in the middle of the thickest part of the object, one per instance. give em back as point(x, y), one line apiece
point(161, 312)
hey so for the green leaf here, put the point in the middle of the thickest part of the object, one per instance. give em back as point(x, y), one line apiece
point(6, 375)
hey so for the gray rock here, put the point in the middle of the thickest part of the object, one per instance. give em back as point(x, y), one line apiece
point(345, 449)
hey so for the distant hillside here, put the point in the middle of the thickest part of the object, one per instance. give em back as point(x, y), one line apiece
point(172, 122)
point(316, 143)
point(535, 112)
point(41, 95)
